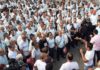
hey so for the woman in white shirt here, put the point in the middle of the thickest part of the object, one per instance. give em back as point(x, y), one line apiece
point(51, 44)
point(12, 50)
point(12, 53)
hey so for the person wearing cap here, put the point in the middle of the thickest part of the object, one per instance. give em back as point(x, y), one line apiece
point(69, 64)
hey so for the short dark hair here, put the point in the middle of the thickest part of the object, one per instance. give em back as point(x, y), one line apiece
point(70, 56)
point(95, 31)
point(90, 46)
point(32, 35)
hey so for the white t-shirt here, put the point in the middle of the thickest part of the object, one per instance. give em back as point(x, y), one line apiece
point(40, 65)
point(98, 29)
point(7, 42)
point(69, 66)
point(93, 19)
point(29, 31)
point(35, 53)
point(89, 55)
point(51, 42)
point(60, 41)
point(12, 54)
point(23, 45)
point(52, 30)
point(65, 38)
point(30, 46)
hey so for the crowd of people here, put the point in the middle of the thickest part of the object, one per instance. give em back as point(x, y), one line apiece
point(35, 33)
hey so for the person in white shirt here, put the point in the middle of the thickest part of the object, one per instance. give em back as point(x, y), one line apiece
point(98, 27)
point(40, 64)
point(32, 42)
point(2, 45)
point(36, 16)
point(93, 18)
point(7, 39)
point(23, 44)
point(89, 55)
point(51, 44)
point(19, 30)
point(12, 50)
point(60, 45)
point(29, 30)
point(1, 33)
point(35, 54)
point(70, 64)
point(51, 29)
point(12, 34)
point(12, 53)
point(38, 36)
point(3, 59)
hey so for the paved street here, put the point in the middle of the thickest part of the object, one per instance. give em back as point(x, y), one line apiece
point(77, 58)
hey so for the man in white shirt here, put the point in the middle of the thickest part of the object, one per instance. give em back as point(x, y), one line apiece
point(93, 18)
point(88, 56)
point(40, 64)
point(23, 44)
point(29, 30)
point(60, 45)
point(70, 64)
point(51, 44)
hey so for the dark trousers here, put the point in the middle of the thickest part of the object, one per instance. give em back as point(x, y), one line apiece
point(60, 53)
point(97, 54)
point(51, 52)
